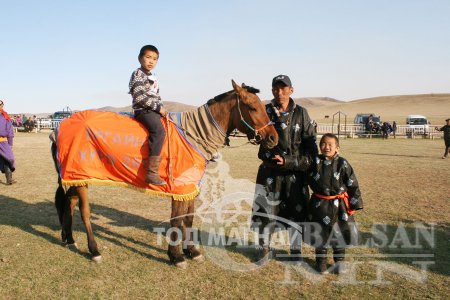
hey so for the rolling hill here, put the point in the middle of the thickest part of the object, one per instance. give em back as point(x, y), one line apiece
point(434, 106)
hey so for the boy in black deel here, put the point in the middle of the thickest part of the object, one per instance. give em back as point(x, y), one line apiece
point(446, 130)
point(335, 197)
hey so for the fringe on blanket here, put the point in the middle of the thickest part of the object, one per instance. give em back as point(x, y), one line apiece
point(176, 197)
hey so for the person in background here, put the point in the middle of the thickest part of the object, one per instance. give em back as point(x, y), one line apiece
point(148, 109)
point(19, 122)
point(385, 131)
point(7, 163)
point(446, 130)
point(394, 128)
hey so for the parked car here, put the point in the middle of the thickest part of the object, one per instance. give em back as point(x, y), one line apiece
point(372, 127)
point(362, 119)
point(417, 124)
point(61, 114)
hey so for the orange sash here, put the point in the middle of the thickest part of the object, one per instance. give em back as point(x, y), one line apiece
point(108, 148)
point(343, 196)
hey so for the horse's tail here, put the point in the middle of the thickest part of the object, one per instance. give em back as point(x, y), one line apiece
point(60, 194)
point(55, 159)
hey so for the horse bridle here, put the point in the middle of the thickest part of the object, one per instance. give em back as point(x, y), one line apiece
point(257, 137)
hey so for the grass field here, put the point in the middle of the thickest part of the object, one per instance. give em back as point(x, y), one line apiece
point(405, 186)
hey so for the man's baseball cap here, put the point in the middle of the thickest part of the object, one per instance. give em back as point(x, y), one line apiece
point(283, 79)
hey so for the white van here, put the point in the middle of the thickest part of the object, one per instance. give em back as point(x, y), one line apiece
point(417, 124)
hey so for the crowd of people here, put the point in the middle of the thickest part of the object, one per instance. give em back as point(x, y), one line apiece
point(28, 123)
point(384, 128)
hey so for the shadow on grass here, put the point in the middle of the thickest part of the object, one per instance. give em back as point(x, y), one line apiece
point(26, 216)
point(405, 247)
point(398, 244)
point(396, 155)
point(411, 243)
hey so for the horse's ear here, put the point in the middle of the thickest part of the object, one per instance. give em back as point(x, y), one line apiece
point(243, 85)
point(236, 86)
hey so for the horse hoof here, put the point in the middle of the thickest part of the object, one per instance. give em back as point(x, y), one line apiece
point(73, 246)
point(97, 258)
point(194, 254)
point(199, 258)
point(181, 265)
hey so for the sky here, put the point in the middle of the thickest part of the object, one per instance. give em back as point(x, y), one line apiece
point(80, 54)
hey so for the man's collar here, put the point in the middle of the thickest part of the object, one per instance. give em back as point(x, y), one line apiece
point(290, 105)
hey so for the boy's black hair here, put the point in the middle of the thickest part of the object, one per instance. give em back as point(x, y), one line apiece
point(329, 135)
point(148, 48)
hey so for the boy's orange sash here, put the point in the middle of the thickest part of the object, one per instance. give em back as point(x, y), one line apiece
point(343, 196)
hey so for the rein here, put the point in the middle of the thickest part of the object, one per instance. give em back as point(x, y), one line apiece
point(257, 139)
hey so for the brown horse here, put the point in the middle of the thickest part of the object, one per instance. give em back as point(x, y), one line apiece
point(239, 109)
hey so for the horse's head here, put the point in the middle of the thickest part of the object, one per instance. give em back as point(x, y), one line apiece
point(250, 117)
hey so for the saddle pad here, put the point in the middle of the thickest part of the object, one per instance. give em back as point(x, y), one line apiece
point(97, 147)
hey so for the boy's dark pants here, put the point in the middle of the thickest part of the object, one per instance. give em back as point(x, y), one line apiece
point(156, 133)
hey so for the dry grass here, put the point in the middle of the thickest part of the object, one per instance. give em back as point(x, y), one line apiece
point(402, 181)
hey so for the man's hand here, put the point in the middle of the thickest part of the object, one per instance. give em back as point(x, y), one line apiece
point(278, 159)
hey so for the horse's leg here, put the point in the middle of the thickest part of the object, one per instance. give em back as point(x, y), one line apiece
point(60, 202)
point(86, 217)
point(176, 220)
point(70, 202)
point(188, 243)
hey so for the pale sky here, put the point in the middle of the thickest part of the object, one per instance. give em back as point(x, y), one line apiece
point(81, 54)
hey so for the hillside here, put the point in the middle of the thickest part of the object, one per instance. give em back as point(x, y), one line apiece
point(434, 106)
point(169, 105)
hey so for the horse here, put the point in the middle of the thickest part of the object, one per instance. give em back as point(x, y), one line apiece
point(239, 109)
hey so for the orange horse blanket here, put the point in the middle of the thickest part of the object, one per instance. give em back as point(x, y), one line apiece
point(108, 148)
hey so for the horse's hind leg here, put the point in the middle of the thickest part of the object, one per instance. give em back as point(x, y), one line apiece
point(70, 202)
point(86, 217)
point(175, 256)
point(188, 243)
point(60, 202)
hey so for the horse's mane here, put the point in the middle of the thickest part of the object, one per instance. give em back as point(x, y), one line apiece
point(220, 97)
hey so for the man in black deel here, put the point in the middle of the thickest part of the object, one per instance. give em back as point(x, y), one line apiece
point(281, 187)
